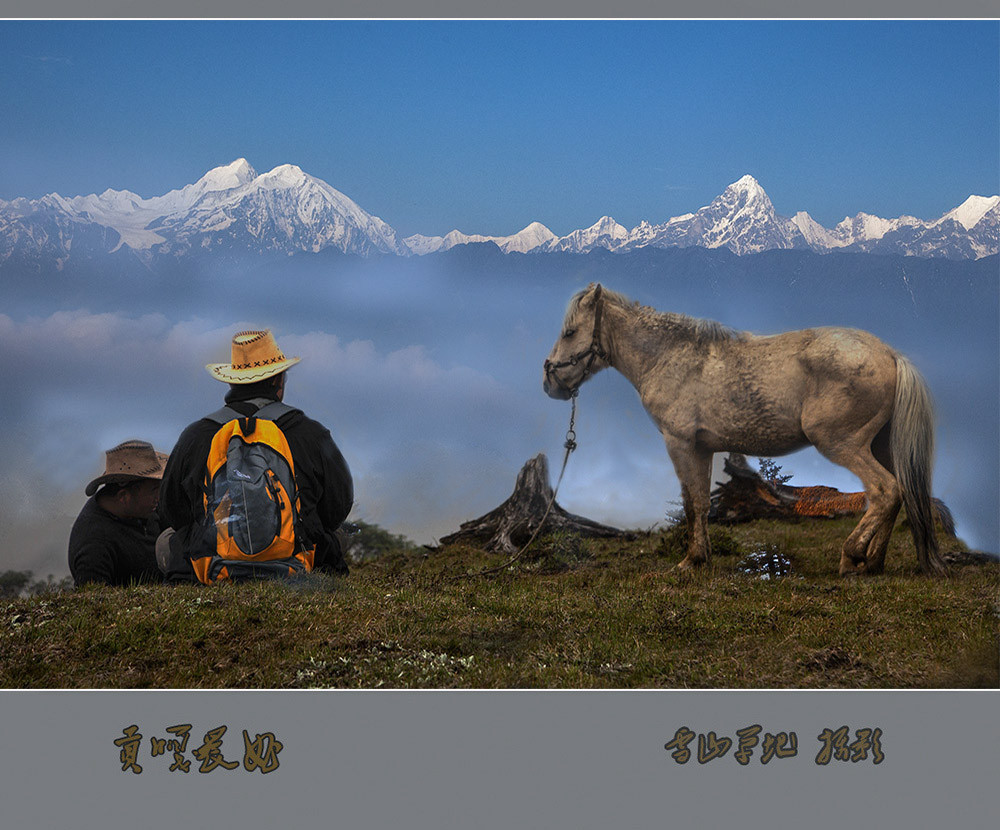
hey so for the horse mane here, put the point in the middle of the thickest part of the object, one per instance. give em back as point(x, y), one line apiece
point(700, 330)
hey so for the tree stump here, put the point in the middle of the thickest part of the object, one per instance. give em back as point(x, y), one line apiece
point(510, 526)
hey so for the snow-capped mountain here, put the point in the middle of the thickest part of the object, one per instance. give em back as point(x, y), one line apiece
point(605, 233)
point(234, 209)
point(283, 210)
point(743, 219)
point(535, 236)
point(229, 208)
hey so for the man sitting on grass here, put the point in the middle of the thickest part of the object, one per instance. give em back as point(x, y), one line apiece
point(256, 379)
point(113, 539)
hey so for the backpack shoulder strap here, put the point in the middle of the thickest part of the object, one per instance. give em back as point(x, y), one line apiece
point(224, 415)
point(269, 412)
point(273, 411)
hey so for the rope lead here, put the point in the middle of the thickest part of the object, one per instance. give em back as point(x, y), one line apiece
point(570, 445)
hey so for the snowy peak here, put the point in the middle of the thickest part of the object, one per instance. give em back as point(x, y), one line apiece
point(971, 211)
point(118, 199)
point(419, 244)
point(235, 174)
point(604, 227)
point(604, 233)
point(743, 197)
point(284, 210)
point(229, 207)
point(285, 175)
point(863, 226)
point(604, 224)
point(218, 180)
point(741, 219)
point(814, 233)
point(749, 189)
point(531, 238)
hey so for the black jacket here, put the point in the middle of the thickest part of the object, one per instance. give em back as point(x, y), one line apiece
point(326, 489)
point(112, 551)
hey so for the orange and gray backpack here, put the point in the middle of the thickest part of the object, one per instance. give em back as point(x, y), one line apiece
point(251, 501)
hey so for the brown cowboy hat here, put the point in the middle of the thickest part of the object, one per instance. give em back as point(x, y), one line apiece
point(255, 356)
point(130, 461)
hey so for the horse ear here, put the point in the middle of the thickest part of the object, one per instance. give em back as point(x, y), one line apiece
point(592, 293)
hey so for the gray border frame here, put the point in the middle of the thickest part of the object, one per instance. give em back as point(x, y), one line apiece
point(501, 759)
point(528, 9)
point(447, 759)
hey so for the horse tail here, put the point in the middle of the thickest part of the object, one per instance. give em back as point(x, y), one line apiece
point(943, 515)
point(911, 444)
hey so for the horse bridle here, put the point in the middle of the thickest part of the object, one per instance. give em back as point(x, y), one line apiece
point(590, 354)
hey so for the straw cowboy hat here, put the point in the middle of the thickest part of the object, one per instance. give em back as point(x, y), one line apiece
point(255, 357)
point(130, 461)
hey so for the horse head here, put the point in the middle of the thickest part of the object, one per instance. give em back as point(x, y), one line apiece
point(578, 352)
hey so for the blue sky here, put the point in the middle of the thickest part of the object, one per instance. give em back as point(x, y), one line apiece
point(486, 126)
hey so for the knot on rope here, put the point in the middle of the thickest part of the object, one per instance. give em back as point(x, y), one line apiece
point(570, 444)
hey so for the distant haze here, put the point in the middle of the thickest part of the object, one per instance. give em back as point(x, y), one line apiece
point(428, 372)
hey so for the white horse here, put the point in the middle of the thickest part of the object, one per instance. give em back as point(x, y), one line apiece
point(710, 389)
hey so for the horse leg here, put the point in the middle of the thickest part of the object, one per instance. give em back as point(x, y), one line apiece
point(879, 544)
point(694, 471)
point(864, 551)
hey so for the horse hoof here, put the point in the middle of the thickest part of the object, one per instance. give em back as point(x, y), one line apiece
point(686, 569)
point(853, 572)
point(850, 566)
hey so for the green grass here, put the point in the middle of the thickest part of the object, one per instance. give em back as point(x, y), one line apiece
point(571, 613)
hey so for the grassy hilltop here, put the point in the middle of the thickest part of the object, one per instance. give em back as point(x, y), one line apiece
point(570, 613)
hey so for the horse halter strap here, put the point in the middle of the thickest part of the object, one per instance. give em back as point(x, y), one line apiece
point(593, 351)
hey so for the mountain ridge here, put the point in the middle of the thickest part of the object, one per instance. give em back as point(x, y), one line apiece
point(285, 210)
